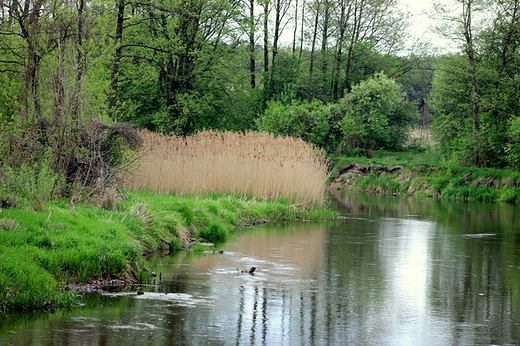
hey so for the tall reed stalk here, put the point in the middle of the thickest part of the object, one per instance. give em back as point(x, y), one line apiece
point(257, 164)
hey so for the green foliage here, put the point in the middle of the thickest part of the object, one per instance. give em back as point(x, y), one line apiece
point(450, 97)
point(377, 115)
point(139, 99)
point(29, 185)
point(510, 195)
point(8, 103)
point(513, 146)
point(314, 122)
point(215, 232)
point(475, 93)
point(284, 78)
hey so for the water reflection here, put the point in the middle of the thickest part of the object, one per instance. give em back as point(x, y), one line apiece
point(393, 272)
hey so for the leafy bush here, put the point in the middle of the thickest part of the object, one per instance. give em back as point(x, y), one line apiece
point(510, 195)
point(377, 115)
point(28, 185)
point(513, 148)
point(214, 232)
point(314, 122)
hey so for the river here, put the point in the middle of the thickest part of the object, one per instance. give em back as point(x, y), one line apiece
point(392, 271)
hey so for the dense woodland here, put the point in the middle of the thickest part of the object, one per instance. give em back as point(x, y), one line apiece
point(78, 76)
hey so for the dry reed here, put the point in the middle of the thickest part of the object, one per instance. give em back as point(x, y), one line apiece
point(256, 164)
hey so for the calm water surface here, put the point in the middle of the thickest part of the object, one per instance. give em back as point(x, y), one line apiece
point(394, 271)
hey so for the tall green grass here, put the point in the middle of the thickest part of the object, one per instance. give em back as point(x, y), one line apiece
point(42, 251)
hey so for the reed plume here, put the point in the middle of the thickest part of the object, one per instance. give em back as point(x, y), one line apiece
point(251, 163)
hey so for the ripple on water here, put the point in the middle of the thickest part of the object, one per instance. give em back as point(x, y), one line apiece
point(179, 299)
point(134, 326)
point(479, 235)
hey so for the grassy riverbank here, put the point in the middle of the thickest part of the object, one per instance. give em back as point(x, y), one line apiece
point(47, 243)
point(421, 175)
point(43, 251)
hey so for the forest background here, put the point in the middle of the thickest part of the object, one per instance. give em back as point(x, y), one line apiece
point(77, 77)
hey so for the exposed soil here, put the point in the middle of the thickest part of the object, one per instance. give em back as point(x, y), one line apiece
point(345, 175)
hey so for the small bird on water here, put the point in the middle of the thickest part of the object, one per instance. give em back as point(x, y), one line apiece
point(250, 271)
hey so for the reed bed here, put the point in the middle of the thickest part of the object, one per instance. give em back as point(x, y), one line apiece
point(256, 164)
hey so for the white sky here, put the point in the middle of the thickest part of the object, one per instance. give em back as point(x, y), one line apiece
point(422, 25)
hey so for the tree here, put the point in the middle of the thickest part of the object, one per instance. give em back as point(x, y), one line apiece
point(377, 115)
point(475, 92)
point(344, 31)
point(55, 58)
point(181, 51)
point(251, 33)
point(281, 8)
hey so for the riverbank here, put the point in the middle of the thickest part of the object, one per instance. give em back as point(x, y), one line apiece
point(402, 177)
point(44, 253)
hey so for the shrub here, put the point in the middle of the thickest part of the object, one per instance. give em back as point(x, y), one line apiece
point(314, 122)
point(510, 195)
point(28, 185)
point(377, 114)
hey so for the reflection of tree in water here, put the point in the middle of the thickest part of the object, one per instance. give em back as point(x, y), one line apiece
point(474, 278)
point(469, 284)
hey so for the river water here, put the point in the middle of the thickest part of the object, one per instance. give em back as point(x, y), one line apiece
point(393, 271)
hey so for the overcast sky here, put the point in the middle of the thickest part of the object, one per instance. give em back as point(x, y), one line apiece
point(422, 25)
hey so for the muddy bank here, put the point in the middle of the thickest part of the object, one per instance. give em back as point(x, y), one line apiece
point(345, 176)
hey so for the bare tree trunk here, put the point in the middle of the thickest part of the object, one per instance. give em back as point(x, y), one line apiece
point(32, 80)
point(343, 21)
point(266, 35)
point(30, 30)
point(313, 51)
point(295, 27)
point(80, 57)
point(301, 30)
point(354, 36)
point(252, 62)
point(467, 9)
point(112, 99)
point(325, 36)
point(281, 7)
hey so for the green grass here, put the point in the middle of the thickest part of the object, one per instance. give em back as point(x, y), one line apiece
point(42, 251)
point(407, 159)
point(420, 176)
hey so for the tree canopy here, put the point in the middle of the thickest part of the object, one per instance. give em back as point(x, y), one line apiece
point(330, 71)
